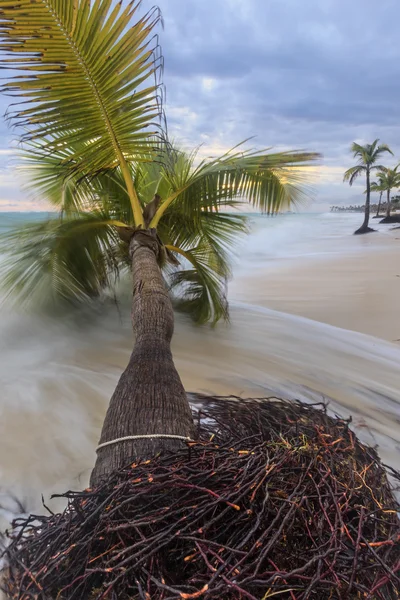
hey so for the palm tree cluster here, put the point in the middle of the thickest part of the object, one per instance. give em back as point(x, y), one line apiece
point(387, 179)
point(351, 208)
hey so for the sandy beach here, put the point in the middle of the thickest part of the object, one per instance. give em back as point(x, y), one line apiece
point(359, 291)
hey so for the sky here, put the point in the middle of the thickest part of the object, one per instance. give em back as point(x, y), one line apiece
point(293, 74)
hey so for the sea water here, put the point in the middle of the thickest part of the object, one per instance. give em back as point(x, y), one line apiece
point(57, 375)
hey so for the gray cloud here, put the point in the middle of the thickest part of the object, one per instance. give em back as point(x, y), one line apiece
point(314, 74)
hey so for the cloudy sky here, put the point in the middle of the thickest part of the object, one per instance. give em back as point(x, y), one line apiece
point(310, 74)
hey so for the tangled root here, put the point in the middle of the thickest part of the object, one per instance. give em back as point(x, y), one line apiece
point(275, 499)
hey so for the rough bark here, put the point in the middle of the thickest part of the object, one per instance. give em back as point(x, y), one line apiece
point(149, 397)
point(364, 227)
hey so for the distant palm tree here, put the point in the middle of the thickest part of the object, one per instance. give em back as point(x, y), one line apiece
point(389, 180)
point(367, 157)
point(376, 187)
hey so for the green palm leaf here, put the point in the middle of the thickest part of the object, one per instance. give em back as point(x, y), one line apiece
point(388, 178)
point(195, 226)
point(48, 177)
point(70, 260)
point(85, 80)
point(354, 172)
point(270, 182)
point(201, 289)
point(369, 154)
point(206, 246)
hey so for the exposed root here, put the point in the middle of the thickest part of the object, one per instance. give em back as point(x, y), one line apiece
point(276, 499)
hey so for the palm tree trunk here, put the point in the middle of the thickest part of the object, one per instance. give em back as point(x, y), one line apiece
point(149, 398)
point(364, 227)
point(379, 204)
point(388, 206)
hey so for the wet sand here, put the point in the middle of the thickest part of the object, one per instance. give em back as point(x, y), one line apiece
point(359, 291)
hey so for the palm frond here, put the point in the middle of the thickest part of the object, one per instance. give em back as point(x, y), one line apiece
point(270, 182)
point(388, 178)
point(81, 79)
point(375, 187)
point(207, 246)
point(88, 78)
point(201, 290)
point(381, 169)
point(109, 189)
point(360, 152)
point(68, 259)
point(354, 172)
point(48, 177)
point(357, 149)
point(369, 154)
point(380, 150)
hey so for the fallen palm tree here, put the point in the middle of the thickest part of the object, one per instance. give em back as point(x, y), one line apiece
point(273, 499)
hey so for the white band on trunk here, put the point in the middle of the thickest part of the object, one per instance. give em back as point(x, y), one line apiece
point(141, 437)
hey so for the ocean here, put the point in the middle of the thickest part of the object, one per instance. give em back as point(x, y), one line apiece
point(57, 376)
